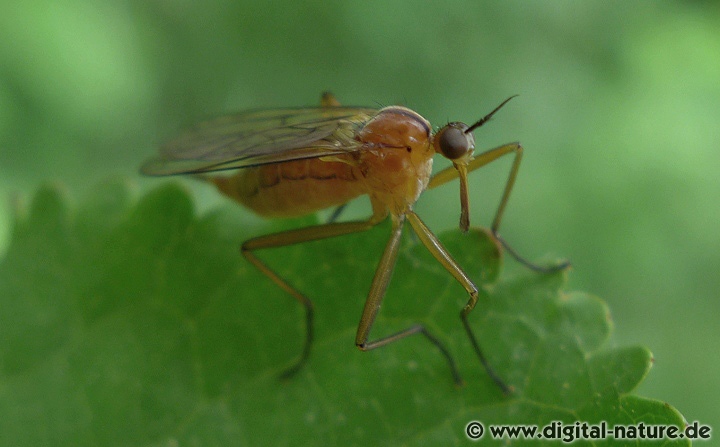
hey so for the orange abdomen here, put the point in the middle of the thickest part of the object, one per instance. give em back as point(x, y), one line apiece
point(293, 188)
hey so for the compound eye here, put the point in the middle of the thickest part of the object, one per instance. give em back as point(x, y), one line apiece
point(452, 141)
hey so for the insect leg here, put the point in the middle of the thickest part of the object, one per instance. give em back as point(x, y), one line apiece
point(378, 288)
point(336, 213)
point(295, 237)
point(431, 242)
point(481, 160)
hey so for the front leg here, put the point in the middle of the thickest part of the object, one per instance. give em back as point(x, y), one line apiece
point(481, 160)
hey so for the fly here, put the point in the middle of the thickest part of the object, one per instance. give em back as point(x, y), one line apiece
point(296, 161)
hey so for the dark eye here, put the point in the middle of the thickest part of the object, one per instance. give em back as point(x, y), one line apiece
point(452, 141)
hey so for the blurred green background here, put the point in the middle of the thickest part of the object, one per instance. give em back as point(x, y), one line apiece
point(618, 111)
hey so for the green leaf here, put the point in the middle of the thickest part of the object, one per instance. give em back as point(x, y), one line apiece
point(141, 324)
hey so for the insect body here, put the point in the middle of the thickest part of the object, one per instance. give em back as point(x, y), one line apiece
point(298, 161)
point(393, 164)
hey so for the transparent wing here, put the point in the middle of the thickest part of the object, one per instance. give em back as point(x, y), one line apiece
point(259, 137)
